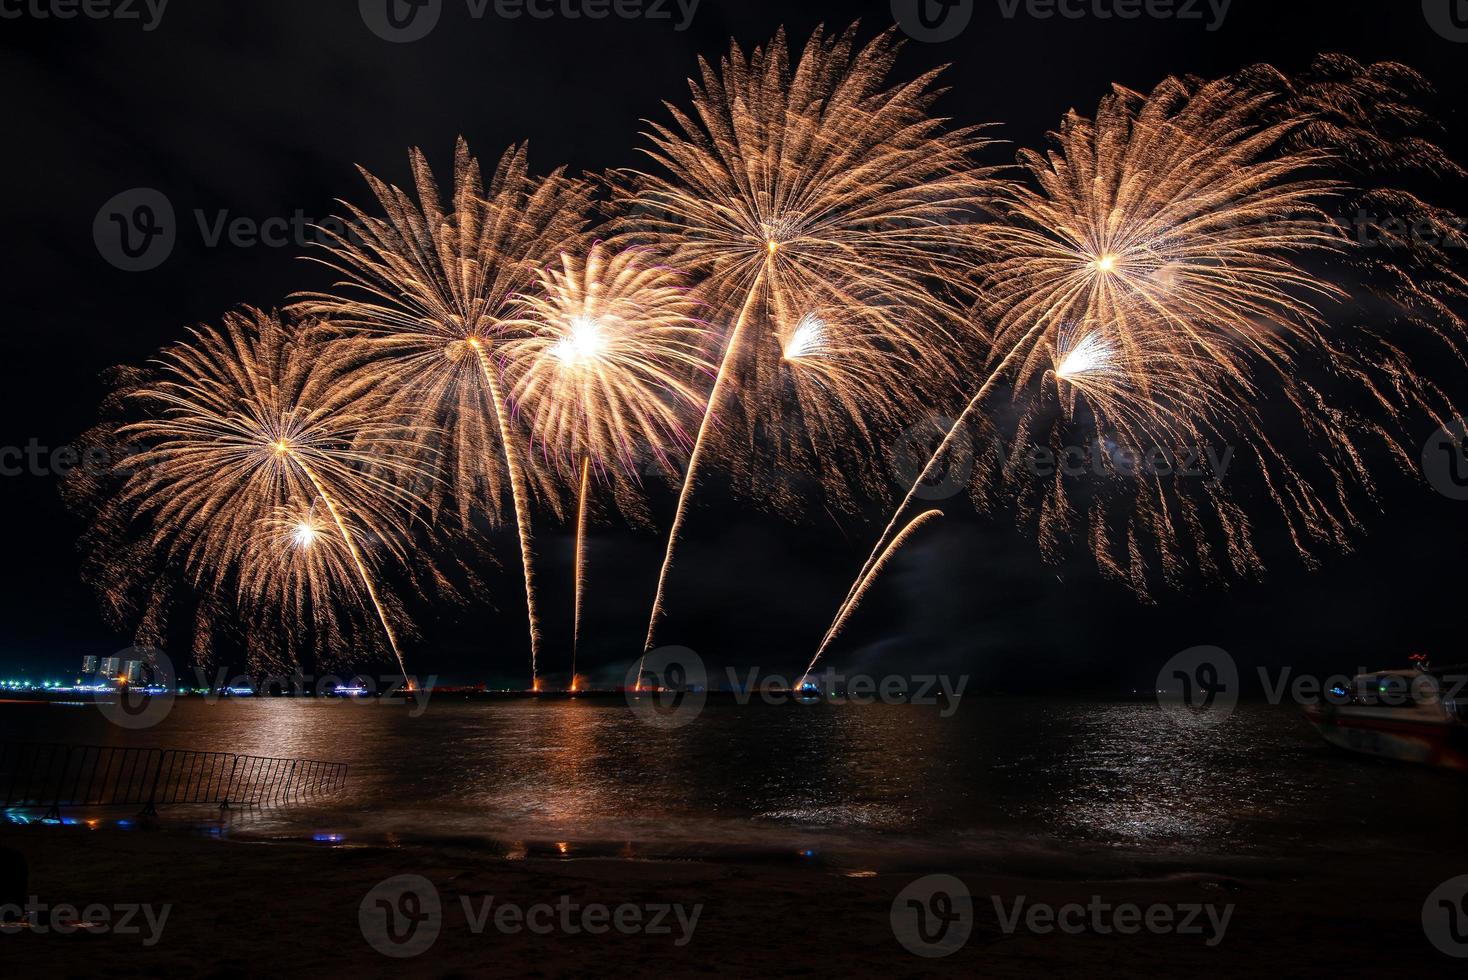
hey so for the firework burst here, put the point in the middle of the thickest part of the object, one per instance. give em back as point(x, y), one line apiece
point(426, 294)
point(607, 375)
point(250, 419)
point(1163, 276)
point(829, 218)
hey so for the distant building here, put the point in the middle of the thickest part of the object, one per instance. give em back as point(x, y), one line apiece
point(134, 673)
point(89, 666)
point(111, 666)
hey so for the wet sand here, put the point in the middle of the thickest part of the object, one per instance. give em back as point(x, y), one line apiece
point(244, 908)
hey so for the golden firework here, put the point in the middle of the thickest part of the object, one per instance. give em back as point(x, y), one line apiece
point(1163, 277)
point(831, 221)
point(248, 419)
point(426, 294)
point(610, 369)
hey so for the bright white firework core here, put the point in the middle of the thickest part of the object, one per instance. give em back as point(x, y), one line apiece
point(1106, 263)
point(1090, 354)
point(808, 338)
point(586, 342)
point(304, 535)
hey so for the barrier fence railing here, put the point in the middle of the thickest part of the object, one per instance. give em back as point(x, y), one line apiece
point(53, 776)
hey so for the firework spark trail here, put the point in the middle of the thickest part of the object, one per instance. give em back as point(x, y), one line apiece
point(518, 497)
point(351, 544)
point(868, 578)
point(580, 562)
point(695, 458)
point(960, 424)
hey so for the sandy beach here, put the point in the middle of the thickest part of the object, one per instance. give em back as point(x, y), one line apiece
point(239, 908)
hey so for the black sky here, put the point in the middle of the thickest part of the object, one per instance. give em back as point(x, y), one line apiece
point(263, 109)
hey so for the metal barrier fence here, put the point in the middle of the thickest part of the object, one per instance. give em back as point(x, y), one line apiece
point(36, 774)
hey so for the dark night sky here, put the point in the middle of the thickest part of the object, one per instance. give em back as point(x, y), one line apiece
point(263, 108)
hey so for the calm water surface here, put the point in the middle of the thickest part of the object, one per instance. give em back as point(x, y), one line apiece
point(1020, 779)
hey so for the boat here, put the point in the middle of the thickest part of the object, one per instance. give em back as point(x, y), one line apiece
point(1418, 714)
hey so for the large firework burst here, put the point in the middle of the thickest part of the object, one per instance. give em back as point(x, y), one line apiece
point(243, 422)
point(829, 217)
point(608, 376)
point(1163, 275)
point(426, 293)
